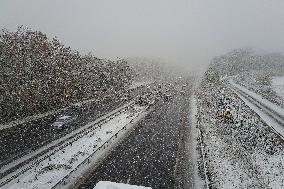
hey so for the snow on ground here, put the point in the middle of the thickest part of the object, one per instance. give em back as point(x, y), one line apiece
point(195, 155)
point(259, 98)
point(278, 127)
point(278, 85)
point(51, 170)
point(54, 143)
point(242, 153)
point(266, 91)
point(113, 185)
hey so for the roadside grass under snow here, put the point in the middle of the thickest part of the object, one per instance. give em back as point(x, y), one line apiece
point(242, 154)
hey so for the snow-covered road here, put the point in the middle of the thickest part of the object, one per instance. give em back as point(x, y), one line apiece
point(78, 155)
point(272, 114)
point(156, 154)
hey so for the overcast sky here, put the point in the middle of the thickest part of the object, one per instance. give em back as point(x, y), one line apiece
point(186, 32)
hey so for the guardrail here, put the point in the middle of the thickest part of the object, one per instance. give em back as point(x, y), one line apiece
point(256, 102)
point(279, 119)
point(87, 160)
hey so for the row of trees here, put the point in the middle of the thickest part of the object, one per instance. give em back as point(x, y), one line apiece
point(245, 63)
point(244, 60)
point(38, 74)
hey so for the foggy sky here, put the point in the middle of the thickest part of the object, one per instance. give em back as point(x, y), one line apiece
point(185, 32)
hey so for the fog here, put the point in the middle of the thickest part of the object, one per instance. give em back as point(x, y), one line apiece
point(187, 33)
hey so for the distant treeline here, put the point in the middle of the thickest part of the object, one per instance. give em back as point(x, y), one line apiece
point(38, 74)
point(243, 62)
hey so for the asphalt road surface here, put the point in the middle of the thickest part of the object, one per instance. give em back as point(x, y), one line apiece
point(148, 156)
point(22, 139)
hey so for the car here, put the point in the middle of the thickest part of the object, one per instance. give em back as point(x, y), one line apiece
point(182, 92)
point(63, 121)
point(168, 97)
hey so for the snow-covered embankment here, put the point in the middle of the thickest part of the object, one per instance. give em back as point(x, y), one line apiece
point(240, 153)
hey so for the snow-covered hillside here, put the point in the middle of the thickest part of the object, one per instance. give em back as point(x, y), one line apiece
point(242, 152)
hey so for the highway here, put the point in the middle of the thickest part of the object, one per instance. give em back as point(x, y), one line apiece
point(149, 155)
point(269, 112)
point(25, 138)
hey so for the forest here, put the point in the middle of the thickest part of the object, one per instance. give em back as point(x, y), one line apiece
point(38, 74)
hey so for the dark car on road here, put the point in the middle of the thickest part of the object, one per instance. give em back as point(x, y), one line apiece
point(64, 121)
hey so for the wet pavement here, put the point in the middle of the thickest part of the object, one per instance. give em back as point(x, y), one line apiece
point(148, 156)
point(24, 138)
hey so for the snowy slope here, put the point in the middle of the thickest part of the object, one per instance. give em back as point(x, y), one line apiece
point(242, 153)
point(270, 92)
point(259, 98)
point(270, 113)
point(278, 85)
